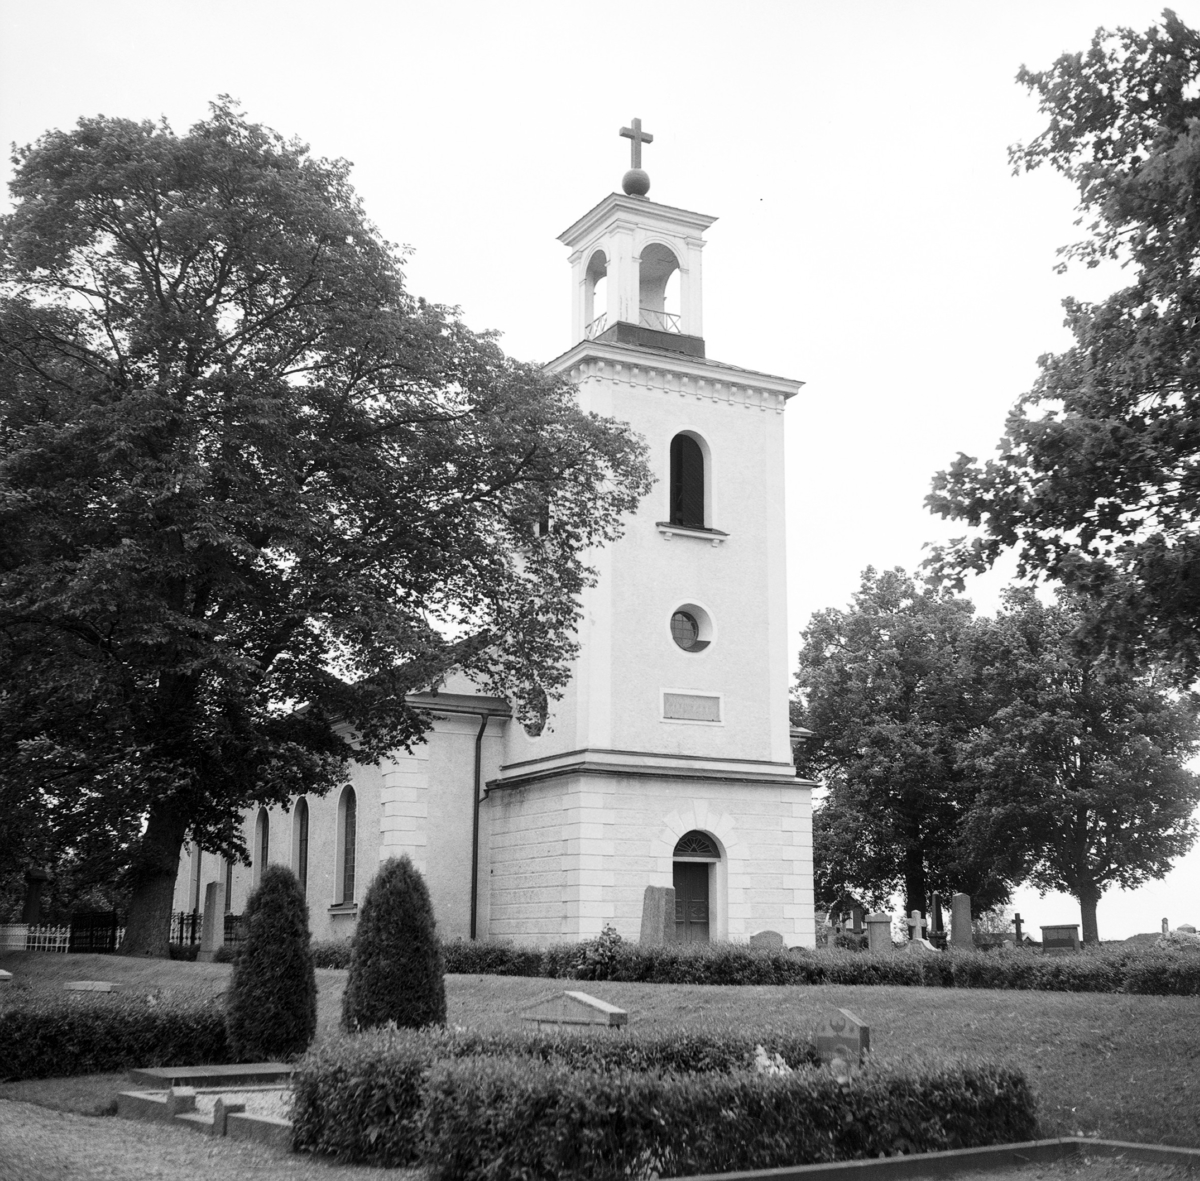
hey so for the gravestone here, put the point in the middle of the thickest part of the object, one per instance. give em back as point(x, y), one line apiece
point(1017, 923)
point(856, 916)
point(90, 986)
point(772, 939)
point(916, 941)
point(841, 1034)
point(1186, 928)
point(5, 978)
point(936, 926)
point(212, 933)
point(960, 922)
point(222, 1110)
point(879, 932)
point(1166, 929)
point(1060, 940)
point(31, 911)
point(658, 916)
point(574, 1008)
point(181, 1099)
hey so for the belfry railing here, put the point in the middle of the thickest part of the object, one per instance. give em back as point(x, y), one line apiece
point(661, 321)
point(596, 327)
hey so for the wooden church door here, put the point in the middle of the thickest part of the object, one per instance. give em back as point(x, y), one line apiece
point(691, 901)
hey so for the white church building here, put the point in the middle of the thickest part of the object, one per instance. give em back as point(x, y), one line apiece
point(668, 761)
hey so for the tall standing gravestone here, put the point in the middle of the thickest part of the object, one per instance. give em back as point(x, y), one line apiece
point(960, 922)
point(658, 916)
point(212, 933)
point(879, 932)
point(841, 1034)
point(1060, 940)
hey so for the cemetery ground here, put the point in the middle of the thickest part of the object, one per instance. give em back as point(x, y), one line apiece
point(1101, 1064)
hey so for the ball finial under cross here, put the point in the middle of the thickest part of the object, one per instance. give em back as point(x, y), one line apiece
point(636, 182)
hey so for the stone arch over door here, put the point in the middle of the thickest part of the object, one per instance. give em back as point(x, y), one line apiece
point(693, 873)
point(714, 823)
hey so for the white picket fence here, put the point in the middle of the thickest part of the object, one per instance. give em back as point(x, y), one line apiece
point(33, 937)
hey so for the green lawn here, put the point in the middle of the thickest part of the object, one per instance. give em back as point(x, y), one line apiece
point(1120, 1067)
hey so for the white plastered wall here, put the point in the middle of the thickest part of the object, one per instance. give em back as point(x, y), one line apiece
point(571, 854)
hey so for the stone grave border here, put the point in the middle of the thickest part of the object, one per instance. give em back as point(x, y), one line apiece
point(170, 1097)
point(964, 1160)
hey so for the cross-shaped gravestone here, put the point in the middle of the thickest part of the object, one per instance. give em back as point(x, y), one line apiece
point(639, 137)
point(1018, 920)
point(916, 925)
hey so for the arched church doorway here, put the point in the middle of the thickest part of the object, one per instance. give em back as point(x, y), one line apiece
point(695, 862)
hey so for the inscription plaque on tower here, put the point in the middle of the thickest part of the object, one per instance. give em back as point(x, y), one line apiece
point(691, 707)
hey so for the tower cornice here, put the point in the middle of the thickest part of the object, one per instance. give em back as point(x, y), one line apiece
point(639, 211)
point(675, 374)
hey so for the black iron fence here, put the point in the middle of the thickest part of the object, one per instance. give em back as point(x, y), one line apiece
point(95, 932)
point(187, 928)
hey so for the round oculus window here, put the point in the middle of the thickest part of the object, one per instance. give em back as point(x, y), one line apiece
point(685, 631)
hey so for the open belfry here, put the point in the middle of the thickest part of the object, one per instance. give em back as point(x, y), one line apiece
point(668, 760)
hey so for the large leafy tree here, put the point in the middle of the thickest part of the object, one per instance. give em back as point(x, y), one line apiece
point(1097, 481)
point(891, 692)
point(1082, 757)
point(252, 493)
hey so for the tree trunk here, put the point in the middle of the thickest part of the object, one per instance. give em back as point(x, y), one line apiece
point(1088, 900)
point(914, 884)
point(152, 876)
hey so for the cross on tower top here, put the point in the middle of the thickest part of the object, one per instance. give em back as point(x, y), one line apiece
point(639, 137)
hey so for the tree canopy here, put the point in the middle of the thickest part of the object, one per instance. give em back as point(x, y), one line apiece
point(891, 693)
point(1097, 480)
point(253, 492)
point(1082, 759)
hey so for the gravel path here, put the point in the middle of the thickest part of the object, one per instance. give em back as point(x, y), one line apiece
point(37, 1144)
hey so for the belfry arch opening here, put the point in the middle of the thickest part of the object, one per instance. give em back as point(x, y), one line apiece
point(595, 297)
point(658, 288)
point(693, 874)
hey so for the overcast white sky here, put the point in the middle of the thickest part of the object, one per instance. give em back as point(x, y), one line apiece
point(871, 239)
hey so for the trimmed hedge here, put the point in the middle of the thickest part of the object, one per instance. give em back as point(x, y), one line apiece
point(474, 1106)
point(90, 1033)
point(396, 969)
point(1156, 970)
point(331, 953)
point(271, 1011)
point(487, 1118)
point(361, 1097)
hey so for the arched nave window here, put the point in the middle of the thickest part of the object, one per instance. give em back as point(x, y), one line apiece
point(262, 844)
point(687, 483)
point(301, 851)
point(347, 843)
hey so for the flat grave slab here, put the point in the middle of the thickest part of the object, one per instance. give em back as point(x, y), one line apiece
point(574, 1008)
point(240, 1074)
point(90, 986)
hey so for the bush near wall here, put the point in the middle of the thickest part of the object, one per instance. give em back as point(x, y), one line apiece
point(1166, 970)
point(331, 953)
point(360, 1097)
point(55, 1037)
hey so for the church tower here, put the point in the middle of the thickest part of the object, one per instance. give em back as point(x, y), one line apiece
point(668, 761)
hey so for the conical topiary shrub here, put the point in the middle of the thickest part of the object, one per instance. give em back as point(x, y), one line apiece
point(396, 970)
point(272, 1006)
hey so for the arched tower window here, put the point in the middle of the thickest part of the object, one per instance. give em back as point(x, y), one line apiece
point(595, 295)
point(300, 852)
point(347, 844)
point(262, 844)
point(687, 482)
point(695, 860)
point(656, 268)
